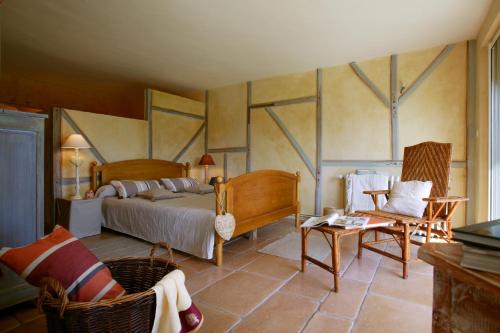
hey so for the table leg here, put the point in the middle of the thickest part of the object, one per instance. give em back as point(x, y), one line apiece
point(335, 261)
point(360, 242)
point(406, 250)
point(303, 232)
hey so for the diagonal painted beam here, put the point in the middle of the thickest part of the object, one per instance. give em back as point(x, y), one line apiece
point(394, 108)
point(292, 141)
point(373, 87)
point(177, 113)
point(426, 73)
point(319, 139)
point(283, 102)
point(190, 143)
point(78, 130)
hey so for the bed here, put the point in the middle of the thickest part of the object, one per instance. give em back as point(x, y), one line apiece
point(255, 199)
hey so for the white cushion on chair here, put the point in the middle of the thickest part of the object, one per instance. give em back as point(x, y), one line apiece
point(406, 198)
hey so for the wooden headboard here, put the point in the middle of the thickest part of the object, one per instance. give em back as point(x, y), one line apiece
point(136, 170)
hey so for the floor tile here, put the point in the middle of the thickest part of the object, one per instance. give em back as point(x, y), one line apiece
point(273, 266)
point(194, 266)
point(27, 312)
point(216, 320)
point(202, 280)
point(362, 269)
point(315, 283)
point(38, 325)
point(321, 323)
point(416, 288)
point(238, 260)
point(347, 301)
point(238, 293)
point(281, 313)
point(386, 315)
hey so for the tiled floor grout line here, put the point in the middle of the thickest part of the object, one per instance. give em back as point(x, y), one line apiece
point(265, 299)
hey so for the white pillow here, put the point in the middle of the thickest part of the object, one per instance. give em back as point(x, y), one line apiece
point(406, 198)
point(106, 191)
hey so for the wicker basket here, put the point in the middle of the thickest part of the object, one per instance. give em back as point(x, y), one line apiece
point(133, 312)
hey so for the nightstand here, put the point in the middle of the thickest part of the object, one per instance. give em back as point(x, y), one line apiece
point(81, 217)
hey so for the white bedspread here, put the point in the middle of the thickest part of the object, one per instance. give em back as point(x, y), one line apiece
point(186, 223)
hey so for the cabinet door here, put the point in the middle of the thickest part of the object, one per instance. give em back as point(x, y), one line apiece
point(18, 187)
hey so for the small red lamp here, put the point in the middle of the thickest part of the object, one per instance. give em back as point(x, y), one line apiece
point(206, 160)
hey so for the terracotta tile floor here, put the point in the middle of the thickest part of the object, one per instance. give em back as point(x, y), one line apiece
point(254, 292)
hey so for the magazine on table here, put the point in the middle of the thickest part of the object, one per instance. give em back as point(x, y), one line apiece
point(336, 220)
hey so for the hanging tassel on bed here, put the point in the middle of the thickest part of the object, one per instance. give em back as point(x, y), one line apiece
point(224, 222)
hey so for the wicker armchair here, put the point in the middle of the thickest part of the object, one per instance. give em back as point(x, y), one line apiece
point(425, 161)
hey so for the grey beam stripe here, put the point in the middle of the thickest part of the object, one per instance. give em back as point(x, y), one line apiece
point(373, 87)
point(72, 180)
point(149, 118)
point(394, 108)
point(471, 129)
point(379, 163)
point(299, 100)
point(426, 73)
point(78, 130)
point(190, 143)
point(319, 139)
point(228, 150)
point(225, 166)
point(206, 122)
point(178, 113)
point(249, 128)
point(292, 141)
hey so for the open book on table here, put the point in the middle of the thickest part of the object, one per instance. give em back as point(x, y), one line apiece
point(343, 221)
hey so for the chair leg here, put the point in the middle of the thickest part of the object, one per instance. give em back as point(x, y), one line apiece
point(360, 242)
point(406, 250)
point(428, 232)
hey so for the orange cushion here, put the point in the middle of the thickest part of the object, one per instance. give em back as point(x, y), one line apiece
point(61, 256)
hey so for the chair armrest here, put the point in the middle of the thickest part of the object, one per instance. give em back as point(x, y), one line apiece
point(446, 199)
point(376, 192)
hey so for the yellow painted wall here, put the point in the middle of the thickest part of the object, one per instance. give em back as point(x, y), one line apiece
point(227, 116)
point(356, 124)
point(116, 138)
point(172, 132)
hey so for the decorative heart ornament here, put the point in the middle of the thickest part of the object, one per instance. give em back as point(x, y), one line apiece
point(224, 225)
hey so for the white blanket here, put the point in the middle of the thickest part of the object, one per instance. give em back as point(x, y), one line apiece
point(356, 184)
point(172, 298)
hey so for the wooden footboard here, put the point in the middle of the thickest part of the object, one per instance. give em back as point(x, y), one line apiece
point(256, 199)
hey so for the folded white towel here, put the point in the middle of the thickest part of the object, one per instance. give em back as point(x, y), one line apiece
point(356, 184)
point(175, 311)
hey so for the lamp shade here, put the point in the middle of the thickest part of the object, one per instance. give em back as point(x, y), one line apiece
point(206, 160)
point(75, 141)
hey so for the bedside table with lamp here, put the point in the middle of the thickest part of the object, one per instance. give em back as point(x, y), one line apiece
point(82, 217)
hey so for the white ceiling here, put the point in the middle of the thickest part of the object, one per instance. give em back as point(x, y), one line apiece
point(203, 44)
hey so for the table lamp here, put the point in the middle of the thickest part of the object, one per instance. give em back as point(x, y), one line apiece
point(76, 142)
point(206, 160)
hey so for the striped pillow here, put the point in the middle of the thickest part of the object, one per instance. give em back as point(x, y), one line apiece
point(181, 184)
point(130, 188)
point(63, 257)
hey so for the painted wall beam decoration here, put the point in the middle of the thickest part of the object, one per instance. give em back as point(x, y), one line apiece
point(178, 113)
point(190, 142)
point(225, 166)
point(426, 73)
point(382, 163)
point(249, 132)
point(228, 150)
point(78, 130)
point(370, 84)
point(283, 102)
point(319, 140)
point(149, 118)
point(206, 122)
point(398, 97)
point(471, 127)
point(394, 107)
point(295, 144)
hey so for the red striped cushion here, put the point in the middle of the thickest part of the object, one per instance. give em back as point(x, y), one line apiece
point(61, 256)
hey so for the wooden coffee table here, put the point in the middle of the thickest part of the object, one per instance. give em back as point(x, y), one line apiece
point(335, 234)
